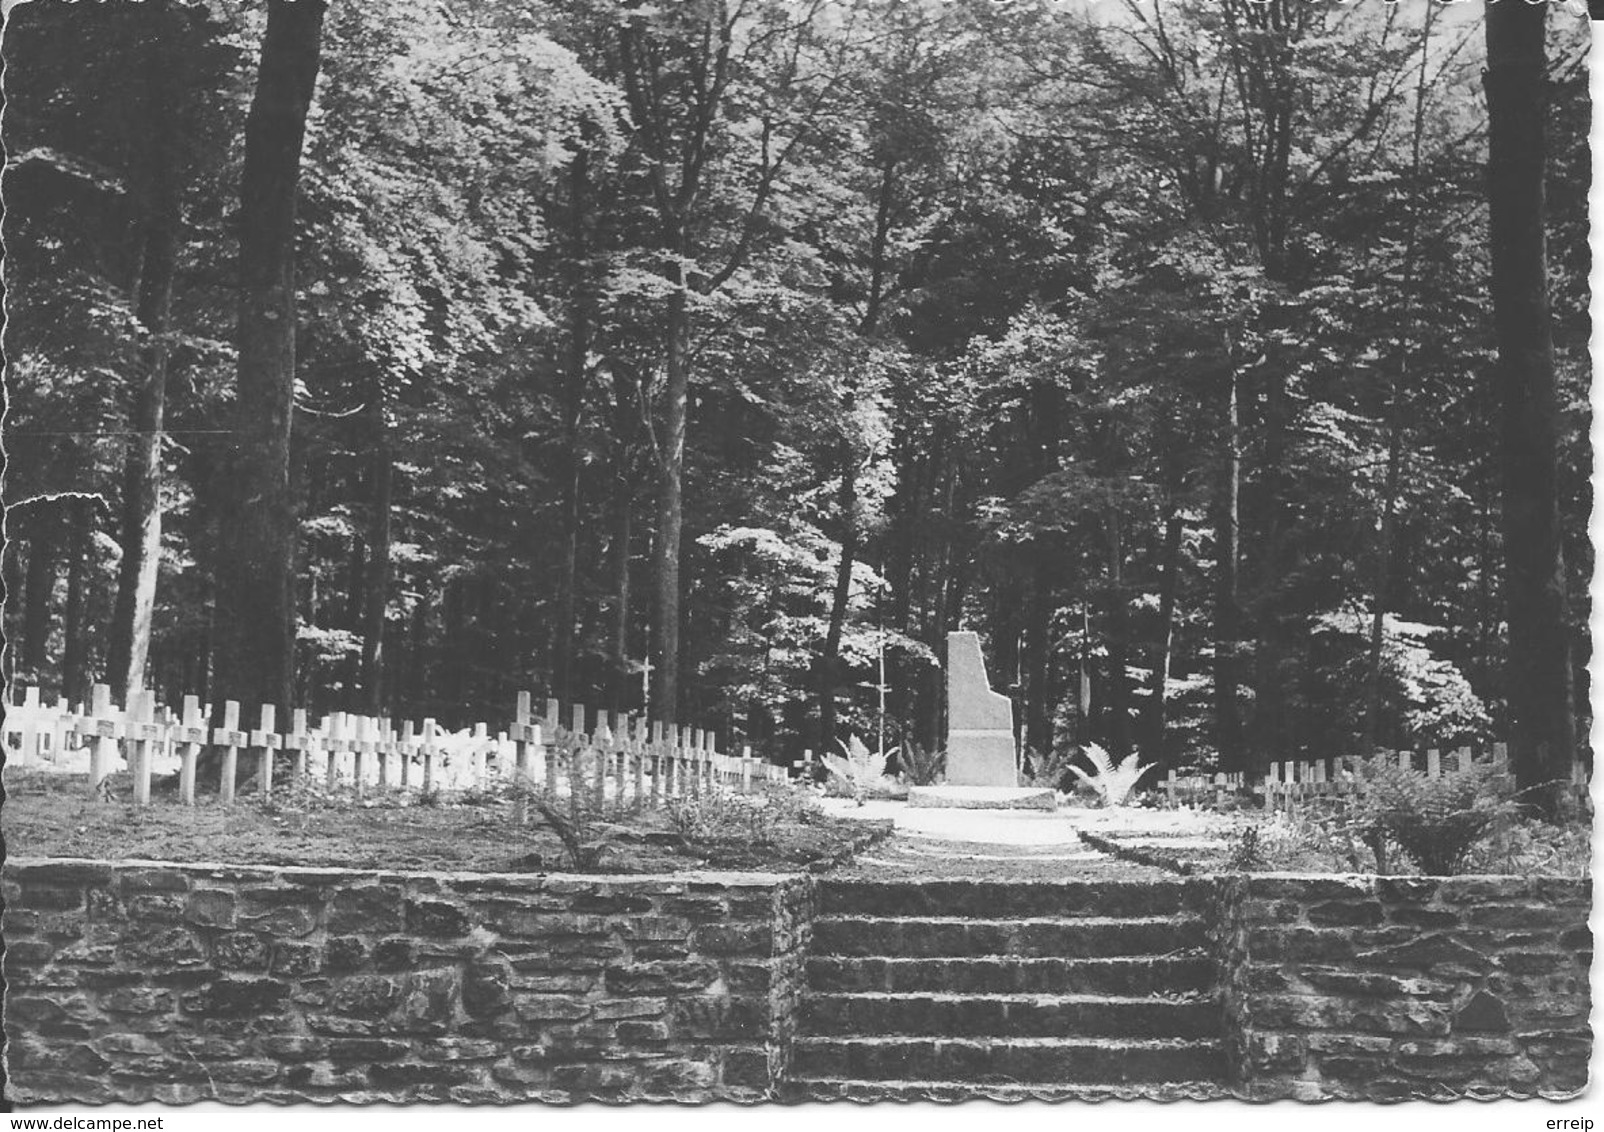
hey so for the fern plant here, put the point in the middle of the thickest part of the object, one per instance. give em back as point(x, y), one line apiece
point(1437, 821)
point(859, 772)
point(921, 767)
point(1113, 781)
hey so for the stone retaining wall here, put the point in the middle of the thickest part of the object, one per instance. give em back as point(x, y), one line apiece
point(142, 981)
point(131, 982)
point(1390, 987)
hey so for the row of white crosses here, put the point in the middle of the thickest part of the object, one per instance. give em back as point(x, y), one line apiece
point(369, 752)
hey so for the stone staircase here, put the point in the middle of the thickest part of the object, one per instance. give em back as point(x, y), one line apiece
point(950, 989)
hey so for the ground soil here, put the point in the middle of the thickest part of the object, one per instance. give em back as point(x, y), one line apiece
point(54, 816)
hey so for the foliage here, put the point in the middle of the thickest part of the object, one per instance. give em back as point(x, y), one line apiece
point(1113, 781)
point(729, 816)
point(1049, 770)
point(921, 766)
point(1001, 261)
point(860, 773)
point(1531, 847)
point(1437, 821)
point(1247, 851)
point(586, 838)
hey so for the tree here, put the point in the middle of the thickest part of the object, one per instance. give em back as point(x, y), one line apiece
point(1537, 672)
point(255, 566)
point(157, 193)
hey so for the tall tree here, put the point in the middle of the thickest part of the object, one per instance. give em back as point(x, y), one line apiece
point(255, 610)
point(158, 204)
point(1537, 671)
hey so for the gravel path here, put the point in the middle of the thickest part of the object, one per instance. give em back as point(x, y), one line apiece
point(993, 844)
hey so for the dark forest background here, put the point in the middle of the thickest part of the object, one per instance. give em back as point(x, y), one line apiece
point(1153, 342)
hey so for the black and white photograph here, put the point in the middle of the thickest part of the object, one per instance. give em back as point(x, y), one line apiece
point(852, 557)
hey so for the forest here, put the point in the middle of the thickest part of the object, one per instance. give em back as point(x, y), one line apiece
point(716, 358)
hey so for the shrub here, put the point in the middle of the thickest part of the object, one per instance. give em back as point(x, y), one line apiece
point(1113, 782)
point(725, 816)
point(860, 774)
point(1437, 821)
point(1247, 852)
point(1048, 771)
point(921, 767)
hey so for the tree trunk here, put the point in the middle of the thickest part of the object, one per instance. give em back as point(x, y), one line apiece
point(1169, 585)
point(1227, 615)
point(625, 424)
point(573, 395)
point(38, 593)
point(1395, 410)
point(376, 582)
point(74, 664)
point(1039, 698)
point(128, 646)
point(255, 570)
point(1119, 719)
point(1542, 739)
point(665, 694)
point(841, 597)
point(1378, 617)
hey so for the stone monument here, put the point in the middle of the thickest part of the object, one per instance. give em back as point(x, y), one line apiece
point(981, 768)
point(980, 722)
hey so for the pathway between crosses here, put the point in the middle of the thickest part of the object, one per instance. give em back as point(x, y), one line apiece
point(981, 844)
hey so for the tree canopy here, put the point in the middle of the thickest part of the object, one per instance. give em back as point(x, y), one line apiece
point(698, 355)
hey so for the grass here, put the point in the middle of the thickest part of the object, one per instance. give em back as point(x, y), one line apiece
point(484, 831)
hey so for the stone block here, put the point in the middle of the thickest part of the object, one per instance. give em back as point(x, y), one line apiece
point(610, 903)
point(1410, 891)
point(657, 928)
point(241, 951)
point(980, 728)
point(294, 1047)
point(733, 939)
point(746, 1069)
point(550, 1008)
point(65, 874)
point(719, 1018)
point(1276, 1052)
point(210, 907)
point(1482, 1012)
point(1437, 954)
point(458, 1049)
point(339, 1050)
point(435, 918)
point(1534, 962)
point(697, 907)
point(163, 947)
point(613, 1009)
point(237, 997)
point(137, 1000)
point(343, 954)
point(27, 953)
point(1346, 913)
point(152, 880)
point(372, 909)
point(294, 959)
point(104, 906)
point(45, 897)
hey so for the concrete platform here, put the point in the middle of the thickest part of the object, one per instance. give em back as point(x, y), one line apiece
point(982, 798)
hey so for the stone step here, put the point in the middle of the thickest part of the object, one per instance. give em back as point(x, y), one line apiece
point(951, 1092)
point(1021, 1016)
point(1005, 1061)
point(1004, 900)
point(1118, 975)
point(1083, 937)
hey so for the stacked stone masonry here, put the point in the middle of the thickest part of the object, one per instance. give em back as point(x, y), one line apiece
point(1393, 987)
point(136, 981)
point(183, 983)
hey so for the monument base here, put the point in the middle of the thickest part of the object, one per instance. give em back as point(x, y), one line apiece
point(982, 798)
